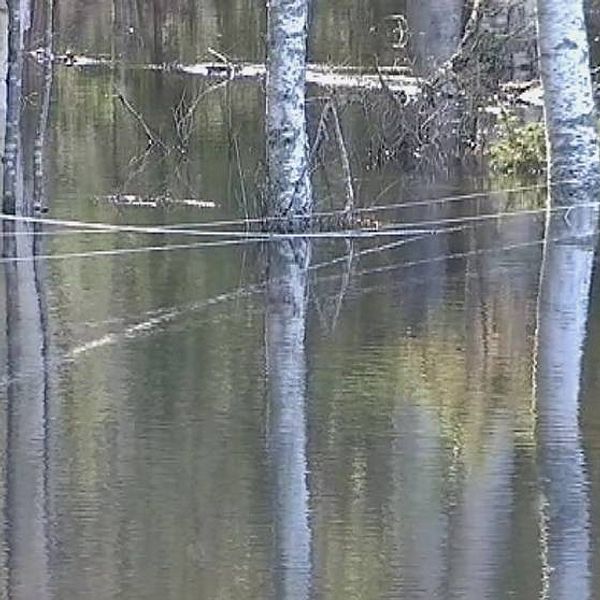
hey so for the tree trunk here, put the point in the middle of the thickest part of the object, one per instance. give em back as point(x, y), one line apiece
point(39, 195)
point(287, 145)
point(286, 387)
point(18, 18)
point(569, 104)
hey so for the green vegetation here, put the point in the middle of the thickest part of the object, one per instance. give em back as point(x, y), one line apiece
point(520, 148)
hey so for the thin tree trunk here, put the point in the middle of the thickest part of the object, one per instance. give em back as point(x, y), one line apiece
point(44, 109)
point(18, 15)
point(287, 145)
point(568, 99)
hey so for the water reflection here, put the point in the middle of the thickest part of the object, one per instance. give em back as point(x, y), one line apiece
point(26, 498)
point(397, 453)
point(26, 469)
point(285, 331)
point(565, 541)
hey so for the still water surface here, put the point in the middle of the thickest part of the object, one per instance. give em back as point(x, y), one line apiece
point(420, 423)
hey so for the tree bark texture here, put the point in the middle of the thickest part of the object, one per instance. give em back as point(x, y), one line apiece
point(568, 99)
point(18, 17)
point(287, 144)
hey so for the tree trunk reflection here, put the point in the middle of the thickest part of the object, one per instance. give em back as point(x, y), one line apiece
point(26, 474)
point(286, 385)
point(562, 321)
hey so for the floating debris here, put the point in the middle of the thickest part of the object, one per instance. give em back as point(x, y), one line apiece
point(394, 78)
point(134, 201)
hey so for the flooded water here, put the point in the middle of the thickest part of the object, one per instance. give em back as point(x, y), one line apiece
point(191, 416)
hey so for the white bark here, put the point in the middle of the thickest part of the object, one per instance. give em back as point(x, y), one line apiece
point(12, 144)
point(286, 373)
point(287, 143)
point(562, 319)
point(568, 99)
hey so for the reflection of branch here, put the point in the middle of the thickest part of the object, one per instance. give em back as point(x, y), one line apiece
point(344, 284)
point(236, 147)
point(349, 206)
point(471, 29)
point(183, 116)
point(153, 139)
point(398, 101)
point(219, 55)
point(320, 133)
point(330, 326)
point(136, 166)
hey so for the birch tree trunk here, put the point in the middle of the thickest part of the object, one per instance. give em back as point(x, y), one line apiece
point(47, 10)
point(288, 174)
point(18, 19)
point(286, 385)
point(569, 104)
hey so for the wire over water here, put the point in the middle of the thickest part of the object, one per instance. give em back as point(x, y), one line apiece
point(380, 207)
point(423, 227)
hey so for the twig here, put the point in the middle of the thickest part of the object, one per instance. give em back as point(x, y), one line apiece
point(241, 176)
point(219, 55)
point(153, 139)
point(471, 28)
point(349, 206)
point(344, 284)
point(321, 130)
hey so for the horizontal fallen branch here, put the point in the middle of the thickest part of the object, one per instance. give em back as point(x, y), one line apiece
point(397, 79)
point(135, 201)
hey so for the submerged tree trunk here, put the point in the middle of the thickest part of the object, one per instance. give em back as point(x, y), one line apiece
point(285, 328)
point(569, 104)
point(288, 173)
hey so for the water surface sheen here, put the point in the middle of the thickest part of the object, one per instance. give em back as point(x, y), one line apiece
point(307, 420)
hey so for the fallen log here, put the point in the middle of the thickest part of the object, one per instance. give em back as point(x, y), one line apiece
point(398, 79)
point(135, 201)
